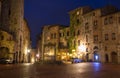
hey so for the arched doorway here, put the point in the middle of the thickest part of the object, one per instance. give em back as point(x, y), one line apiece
point(96, 55)
point(114, 57)
point(106, 58)
point(95, 48)
point(4, 52)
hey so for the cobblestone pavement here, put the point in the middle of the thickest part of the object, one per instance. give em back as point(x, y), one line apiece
point(81, 70)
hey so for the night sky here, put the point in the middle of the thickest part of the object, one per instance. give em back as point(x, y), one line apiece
point(48, 12)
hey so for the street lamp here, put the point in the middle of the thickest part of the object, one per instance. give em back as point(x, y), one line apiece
point(37, 57)
point(28, 50)
point(28, 53)
point(73, 53)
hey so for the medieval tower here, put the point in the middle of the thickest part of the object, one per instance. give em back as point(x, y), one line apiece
point(11, 20)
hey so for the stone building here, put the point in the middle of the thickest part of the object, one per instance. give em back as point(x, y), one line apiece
point(12, 21)
point(50, 40)
point(80, 27)
point(64, 36)
point(110, 35)
point(33, 57)
point(93, 35)
point(26, 41)
point(7, 45)
point(99, 31)
point(39, 46)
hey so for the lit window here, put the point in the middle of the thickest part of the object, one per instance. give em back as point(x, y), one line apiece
point(78, 12)
point(48, 38)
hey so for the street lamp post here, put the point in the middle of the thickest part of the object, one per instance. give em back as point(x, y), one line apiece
point(28, 53)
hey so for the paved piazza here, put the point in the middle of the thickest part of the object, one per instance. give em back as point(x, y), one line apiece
point(81, 70)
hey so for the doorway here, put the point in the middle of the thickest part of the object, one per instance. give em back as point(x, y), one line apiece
point(114, 57)
point(4, 52)
point(96, 57)
point(106, 58)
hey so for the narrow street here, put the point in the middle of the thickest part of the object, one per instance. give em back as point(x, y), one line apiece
point(81, 70)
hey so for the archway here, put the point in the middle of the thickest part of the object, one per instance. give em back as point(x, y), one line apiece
point(95, 48)
point(114, 57)
point(4, 52)
point(106, 58)
point(96, 55)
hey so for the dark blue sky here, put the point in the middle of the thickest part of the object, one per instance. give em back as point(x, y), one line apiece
point(46, 12)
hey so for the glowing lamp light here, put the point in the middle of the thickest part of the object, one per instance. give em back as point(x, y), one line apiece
point(63, 57)
point(82, 48)
point(33, 60)
point(37, 55)
point(27, 64)
point(70, 55)
point(96, 57)
point(28, 51)
point(73, 50)
point(50, 53)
